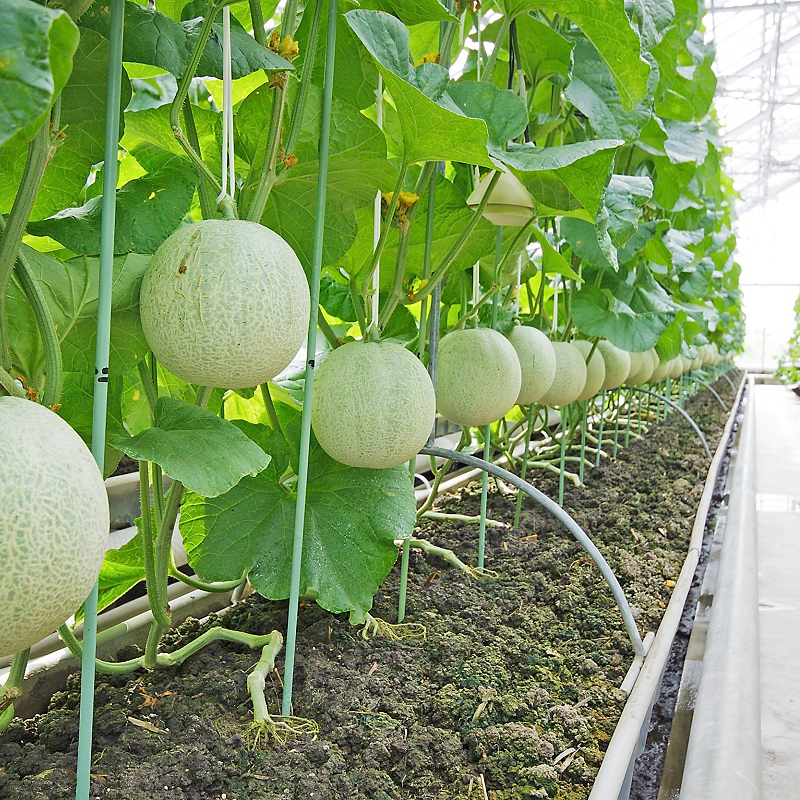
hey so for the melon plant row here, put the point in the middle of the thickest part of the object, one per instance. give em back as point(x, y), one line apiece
point(551, 194)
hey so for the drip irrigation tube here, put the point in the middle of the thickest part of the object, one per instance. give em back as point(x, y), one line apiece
point(614, 776)
point(568, 522)
point(682, 411)
point(710, 389)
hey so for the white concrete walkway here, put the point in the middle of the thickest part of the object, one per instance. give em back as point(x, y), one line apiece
point(778, 525)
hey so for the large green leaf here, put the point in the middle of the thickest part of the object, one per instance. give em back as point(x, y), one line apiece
point(553, 263)
point(653, 18)
point(357, 169)
point(206, 453)
point(411, 12)
point(563, 180)
point(625, 197)
point(593, 91)
point(629, 309)
point(356, 76)
point(429, 131)
point(353, 517)
point(590, 241)
point(669, 344)
point(686, 142)
point(545, 53)
point(35, 61)
point(148, 210)
point(607, 27)
point(149, 137)
point(503, 112)
point(83, 117)
point(70, 289)
point(151, 37)
point(432, 133)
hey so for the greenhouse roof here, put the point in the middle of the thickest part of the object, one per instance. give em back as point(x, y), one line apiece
point(758, 98)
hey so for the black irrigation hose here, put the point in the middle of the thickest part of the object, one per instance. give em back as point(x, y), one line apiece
point(681, 410)
point(566, 520)
point(710, 389)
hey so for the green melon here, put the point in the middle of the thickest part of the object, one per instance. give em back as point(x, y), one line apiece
point(661, 372)
point(374, 405)
point(618, 364)
point(595, 370)
point(645, 363)
point(537, 361)
point(676, 370)
point(54, 523)
point(570, 378)
point(225, 303)
point(479, 376)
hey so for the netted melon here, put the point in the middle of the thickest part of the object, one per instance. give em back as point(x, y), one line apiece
point(570, 378)
point(225, 303)
point(479, 376)
point(374, 405)
point(618, 364)
point(54, 523)
point(595, 369)
point(537, 360)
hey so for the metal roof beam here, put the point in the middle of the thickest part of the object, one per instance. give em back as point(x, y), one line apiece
point(786, 44)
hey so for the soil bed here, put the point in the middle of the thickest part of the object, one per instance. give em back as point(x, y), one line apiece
point(515, 685)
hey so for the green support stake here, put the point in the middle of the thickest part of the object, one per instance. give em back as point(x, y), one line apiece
point(629, 407)
point(600, 427)
point(565, 415)
point(583, 438)
point(101, 374)
point(423, 335)
point(487, 431)
point(311, 349)
point(616, 424)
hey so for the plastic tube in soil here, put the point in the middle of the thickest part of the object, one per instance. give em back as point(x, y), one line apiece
point(569, 523)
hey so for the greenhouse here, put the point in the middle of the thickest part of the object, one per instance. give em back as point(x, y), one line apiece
point(399, 399)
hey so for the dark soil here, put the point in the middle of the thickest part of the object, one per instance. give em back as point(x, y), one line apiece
point(515, 685)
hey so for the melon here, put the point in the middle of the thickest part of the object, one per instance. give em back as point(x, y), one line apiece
point(618, 364)
point(595, 369)
point(570, 378)
point(537, 361)
point(374, 405)
point(225, 303)
point(645, 367)
point(662, 370)
point(479, 376)
point(54, 523)
point(676, 370)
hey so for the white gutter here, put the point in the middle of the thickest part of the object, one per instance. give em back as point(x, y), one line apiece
point(723, 756)
point(614, 776)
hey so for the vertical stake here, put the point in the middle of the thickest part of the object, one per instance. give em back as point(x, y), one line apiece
point(487, 431)
point(565, 415)
point(311, 348)
point(600, 428)
point(583, 437)
point(100, 400)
